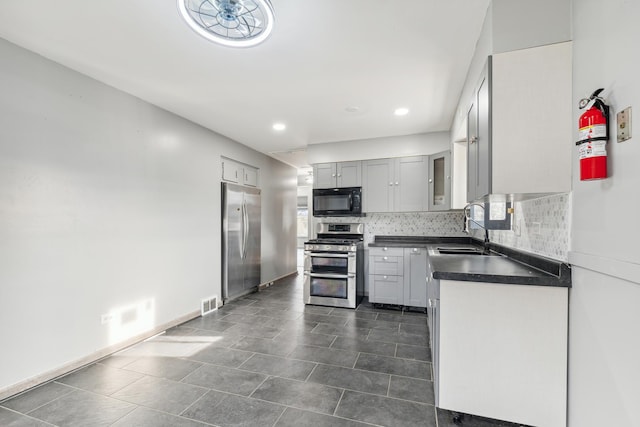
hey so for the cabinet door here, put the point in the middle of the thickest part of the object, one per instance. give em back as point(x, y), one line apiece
point(324, 175)
point(231, 171)
point(410, 184)
point(250, 176)
point(415, 277)
point(384, 289)
point(440, 181)
point(472, 151)
point(479, 139)
point(349, 174)
point(483, 184)
point(378, 185)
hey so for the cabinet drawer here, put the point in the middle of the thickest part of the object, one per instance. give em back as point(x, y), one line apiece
point(384, 251)
point(386, 265)
point(385, 289)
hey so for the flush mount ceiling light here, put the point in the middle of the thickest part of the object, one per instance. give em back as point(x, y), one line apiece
point(401, 111)
point(279, 126)
point(236, 23)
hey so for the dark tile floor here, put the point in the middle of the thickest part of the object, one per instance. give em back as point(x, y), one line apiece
point(263, 360)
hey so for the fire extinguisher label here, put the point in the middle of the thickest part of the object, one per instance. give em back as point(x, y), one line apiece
point(592, 149)
point(593, 131)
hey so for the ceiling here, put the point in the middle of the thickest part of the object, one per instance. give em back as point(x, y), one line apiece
point(323, 57)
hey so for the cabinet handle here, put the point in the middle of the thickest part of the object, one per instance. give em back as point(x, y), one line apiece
point(385, 258)
point(430, 180)
point(384, 277)
point(473, 140)
point(396, 182)
point(333, 175)
point(415, 249)
point(384, 249)
point(391, 183)
point(339, 175)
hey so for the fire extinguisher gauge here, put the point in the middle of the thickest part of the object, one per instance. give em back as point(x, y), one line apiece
point(584, 102)
point(595, 96)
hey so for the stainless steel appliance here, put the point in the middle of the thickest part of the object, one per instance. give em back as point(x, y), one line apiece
point(240, 240)
point(334, 266)
point(337, 201)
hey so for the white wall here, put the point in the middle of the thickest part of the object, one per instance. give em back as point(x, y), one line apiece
point(604, 378)
point(109, 202)
point(520, 24)
point(379, 148)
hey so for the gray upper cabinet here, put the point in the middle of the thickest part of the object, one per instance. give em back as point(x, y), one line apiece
point(377, 186)
point(239, 173)
point(337, 175)
point(519, 124)
point(395, 185)
point(250, 176)
point(479, 139)
point(410, 184)
point(440, 181)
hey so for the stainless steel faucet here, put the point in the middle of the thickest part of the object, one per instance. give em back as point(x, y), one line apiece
point(467, 219)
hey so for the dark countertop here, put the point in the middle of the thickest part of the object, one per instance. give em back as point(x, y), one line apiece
point(506, 265)
point(492, 269)
point(416, 241)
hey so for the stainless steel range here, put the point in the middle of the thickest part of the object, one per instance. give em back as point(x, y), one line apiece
point(334, 266)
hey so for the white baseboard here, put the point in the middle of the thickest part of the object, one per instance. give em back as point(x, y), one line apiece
point(91, 358)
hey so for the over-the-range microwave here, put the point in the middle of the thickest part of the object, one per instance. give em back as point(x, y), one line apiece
point(337, 201)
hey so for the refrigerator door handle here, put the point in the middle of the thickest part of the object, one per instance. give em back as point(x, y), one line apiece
point(245, 229)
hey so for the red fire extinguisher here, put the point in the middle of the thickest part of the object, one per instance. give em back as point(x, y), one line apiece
point(593, 137)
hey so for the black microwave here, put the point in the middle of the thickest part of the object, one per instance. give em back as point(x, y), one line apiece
point(337, 201)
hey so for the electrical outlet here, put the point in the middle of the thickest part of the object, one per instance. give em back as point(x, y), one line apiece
point(623, 119)
point(106, 318)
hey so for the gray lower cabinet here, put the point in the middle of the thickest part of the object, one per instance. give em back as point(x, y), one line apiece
point(415, 275)
point(386, 275)
point(397, 276)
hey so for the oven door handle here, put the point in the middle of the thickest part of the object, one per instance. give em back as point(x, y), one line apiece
point(330, 276)
point(330, 255)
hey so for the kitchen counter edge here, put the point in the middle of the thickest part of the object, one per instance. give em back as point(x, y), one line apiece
point(541, 271)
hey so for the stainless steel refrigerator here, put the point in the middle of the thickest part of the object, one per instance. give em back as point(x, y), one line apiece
point(240, 240)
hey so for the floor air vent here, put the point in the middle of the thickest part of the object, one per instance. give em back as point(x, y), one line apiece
point(208, 305)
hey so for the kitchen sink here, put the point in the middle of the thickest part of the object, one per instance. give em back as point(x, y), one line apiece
point(460, 251)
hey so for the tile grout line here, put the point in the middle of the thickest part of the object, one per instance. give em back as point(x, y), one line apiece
point(339, 401)
point(28, 416)
point(275, 423)
point(44, 404)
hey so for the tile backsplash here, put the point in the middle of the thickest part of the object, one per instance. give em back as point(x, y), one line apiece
point(539, 226)
point(444, 224)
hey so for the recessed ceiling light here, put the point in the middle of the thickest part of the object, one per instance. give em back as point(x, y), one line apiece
point(279, 126)
point(401, 111)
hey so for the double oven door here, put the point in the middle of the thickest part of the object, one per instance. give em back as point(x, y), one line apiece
point(330, 278)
